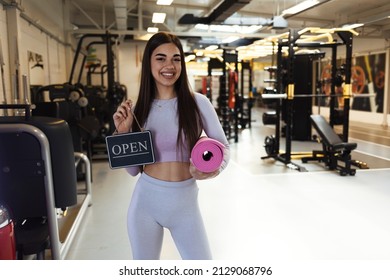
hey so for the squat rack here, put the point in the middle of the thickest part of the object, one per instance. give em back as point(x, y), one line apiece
point(292, 40)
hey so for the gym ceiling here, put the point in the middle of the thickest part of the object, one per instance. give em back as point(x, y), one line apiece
point(204, 22)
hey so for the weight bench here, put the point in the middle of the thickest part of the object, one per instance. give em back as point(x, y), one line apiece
point(336, 154)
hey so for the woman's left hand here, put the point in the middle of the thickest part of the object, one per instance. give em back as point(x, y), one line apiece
point(199, 175)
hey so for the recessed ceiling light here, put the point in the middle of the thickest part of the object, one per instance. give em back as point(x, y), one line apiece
point(164, 2)
point(152, 29)
point(158, 17)
point(300, 7)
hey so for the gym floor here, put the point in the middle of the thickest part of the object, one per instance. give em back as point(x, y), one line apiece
point(262, 209)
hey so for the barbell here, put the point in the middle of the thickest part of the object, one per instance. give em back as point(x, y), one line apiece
point(285, 96)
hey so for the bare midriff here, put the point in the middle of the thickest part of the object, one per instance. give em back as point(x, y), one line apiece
point(169, 171)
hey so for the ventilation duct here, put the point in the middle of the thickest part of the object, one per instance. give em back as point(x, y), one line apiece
point(218, 15)
point(120, 8)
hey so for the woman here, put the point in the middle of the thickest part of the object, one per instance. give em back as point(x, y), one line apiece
point(165, 195)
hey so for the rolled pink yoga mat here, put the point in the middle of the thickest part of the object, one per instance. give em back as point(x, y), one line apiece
point(207, 154)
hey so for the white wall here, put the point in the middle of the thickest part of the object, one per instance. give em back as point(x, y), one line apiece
point(129, 62)
point(47, 13)
point(51, 51)
point(4, 49)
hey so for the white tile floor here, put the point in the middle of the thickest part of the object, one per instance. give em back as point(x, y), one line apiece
point(259, 209)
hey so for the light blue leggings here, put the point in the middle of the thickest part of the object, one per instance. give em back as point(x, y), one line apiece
point(156, 205)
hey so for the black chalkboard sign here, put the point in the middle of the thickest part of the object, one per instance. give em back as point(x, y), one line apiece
point(130, 149)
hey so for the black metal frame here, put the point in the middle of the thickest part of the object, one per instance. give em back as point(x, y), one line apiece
point(291, 43)
point(224, 109)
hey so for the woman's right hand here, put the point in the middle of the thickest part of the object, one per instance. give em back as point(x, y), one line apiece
point(123, 117)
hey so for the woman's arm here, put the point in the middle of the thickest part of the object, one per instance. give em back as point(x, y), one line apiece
point(133, 170)
point(212, 127)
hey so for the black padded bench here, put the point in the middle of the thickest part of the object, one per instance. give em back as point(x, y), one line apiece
point(336, 154)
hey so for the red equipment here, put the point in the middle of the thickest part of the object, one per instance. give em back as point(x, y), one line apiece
point(233, 80)
point(7, 235)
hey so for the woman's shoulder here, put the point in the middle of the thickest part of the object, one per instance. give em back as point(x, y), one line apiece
point(200, 98)
point(204, 104)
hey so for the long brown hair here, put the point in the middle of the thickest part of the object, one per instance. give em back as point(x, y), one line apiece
point(190, 123)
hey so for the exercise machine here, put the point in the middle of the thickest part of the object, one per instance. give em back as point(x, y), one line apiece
point(105, 97)
point(38, 182)
point(336, 154)
point(286, 81)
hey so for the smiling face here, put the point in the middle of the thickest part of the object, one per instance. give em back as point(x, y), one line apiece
point(166, 68)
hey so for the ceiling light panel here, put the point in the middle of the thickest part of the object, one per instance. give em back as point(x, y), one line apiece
point(300, 7)
point(164, 2)
point(158, 17)
point(152, 29)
